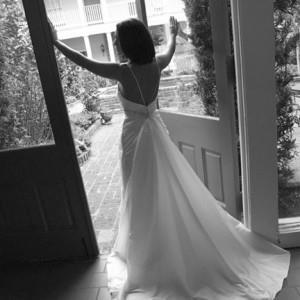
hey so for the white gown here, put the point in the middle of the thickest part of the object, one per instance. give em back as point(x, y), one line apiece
point(174, 241)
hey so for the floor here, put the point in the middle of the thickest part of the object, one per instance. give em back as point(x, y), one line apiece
point(102, 179)
point(87, 280)
point(81, 280)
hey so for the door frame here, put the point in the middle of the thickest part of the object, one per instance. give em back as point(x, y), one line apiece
point(255, 61)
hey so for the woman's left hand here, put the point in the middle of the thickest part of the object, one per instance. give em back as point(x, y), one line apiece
point(53, 31)
point(174, 26)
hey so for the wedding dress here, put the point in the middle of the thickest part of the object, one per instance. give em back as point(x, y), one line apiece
point(175, 242)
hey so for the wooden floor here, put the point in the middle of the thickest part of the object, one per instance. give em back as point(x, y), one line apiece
point(87, 280)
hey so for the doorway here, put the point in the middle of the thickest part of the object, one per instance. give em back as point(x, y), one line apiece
point(181, 104)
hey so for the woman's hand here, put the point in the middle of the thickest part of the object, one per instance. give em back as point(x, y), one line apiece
point(53, 31)
point(174, 26)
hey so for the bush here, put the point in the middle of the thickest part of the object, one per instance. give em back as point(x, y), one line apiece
point(84, 119)
point(92, 103)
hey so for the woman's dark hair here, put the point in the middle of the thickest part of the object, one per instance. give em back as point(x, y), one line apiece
point(135, 41)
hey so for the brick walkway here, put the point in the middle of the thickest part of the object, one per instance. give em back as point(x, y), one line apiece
point(102, 180)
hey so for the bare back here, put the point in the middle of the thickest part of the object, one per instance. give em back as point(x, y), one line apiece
point(146, 77)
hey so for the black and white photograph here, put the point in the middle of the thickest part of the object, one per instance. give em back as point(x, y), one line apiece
point(149, 149)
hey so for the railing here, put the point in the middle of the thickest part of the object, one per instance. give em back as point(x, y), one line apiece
point(64, 18)
point(93, 13)
point(132, 8)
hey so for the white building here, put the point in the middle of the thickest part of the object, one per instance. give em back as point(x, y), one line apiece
point(88, 26)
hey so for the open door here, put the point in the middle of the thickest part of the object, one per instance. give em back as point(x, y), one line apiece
point(43, 207)
point(210, 143)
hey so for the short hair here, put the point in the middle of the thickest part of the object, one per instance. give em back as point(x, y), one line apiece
point(135, 41)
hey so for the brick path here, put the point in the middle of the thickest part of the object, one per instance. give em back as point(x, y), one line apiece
point(102, 180)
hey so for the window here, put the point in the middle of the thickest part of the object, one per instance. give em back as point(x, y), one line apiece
point(24, 118)
point(188, 84)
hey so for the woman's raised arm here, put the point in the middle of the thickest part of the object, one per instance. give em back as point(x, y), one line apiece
point(164, 59)
point(104, 69)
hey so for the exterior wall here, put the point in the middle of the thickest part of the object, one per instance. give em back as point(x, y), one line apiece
point(69, 16)
point(68, 5)
point(96, 41)
point(84, 24)
point(76, 43)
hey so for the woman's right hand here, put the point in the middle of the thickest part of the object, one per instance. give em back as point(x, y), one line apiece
point(174, 26)
point(53, 31)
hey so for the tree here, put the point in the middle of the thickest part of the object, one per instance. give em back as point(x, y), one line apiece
point(197, 12)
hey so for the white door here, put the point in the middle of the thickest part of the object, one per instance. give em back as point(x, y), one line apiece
point(43, 208)
point(209, 143)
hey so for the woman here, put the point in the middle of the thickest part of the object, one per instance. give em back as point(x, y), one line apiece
point(175, 240)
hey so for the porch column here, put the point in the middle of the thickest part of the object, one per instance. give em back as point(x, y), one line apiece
point(104, 11)
point(111, 51)
point(254, 61)
point(81, 11)
point(88, 46)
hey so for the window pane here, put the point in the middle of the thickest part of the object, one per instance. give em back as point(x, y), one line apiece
point(188, 84)
point(288, 104)
point(24, 118)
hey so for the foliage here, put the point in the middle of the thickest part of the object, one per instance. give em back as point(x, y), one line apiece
point(197, 12)
point(286, 40)
point(78, 83)
point(84, 119)
point(23, 112)
point(70, 81)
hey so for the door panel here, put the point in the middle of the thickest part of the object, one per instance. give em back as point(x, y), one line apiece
point(189, 152)
point(212, 169)
point(199, 148)
point(43, 207)
point(210, 143)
